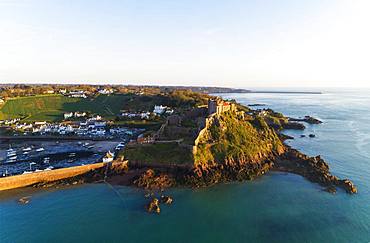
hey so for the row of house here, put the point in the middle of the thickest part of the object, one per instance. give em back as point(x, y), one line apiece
point(74, 94)
point(76, 114)
point(159, 110)
point(9, 121)
point(134, 115)
point(106, 91)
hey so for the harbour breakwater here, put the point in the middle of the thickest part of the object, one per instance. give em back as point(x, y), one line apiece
point(18, 181)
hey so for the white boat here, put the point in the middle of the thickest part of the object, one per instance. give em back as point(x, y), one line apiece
point(90, 147)
point(10, 161)
point(13, 158)
point(49, 168)
point(11, 154)
point(72, 155)
point(10, 150)
point(27, 149)
point(46, 160)
point(120, 146)
point(40, 149)
point(27, 172)
point(25, 153)
point(37, 170)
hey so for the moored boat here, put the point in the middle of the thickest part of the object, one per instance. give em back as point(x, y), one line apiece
point(27, 149)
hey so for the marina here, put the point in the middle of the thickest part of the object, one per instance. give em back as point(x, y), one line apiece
point(37, 156)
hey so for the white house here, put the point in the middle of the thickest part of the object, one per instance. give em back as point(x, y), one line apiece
point(95, 118)
point(80, 114)
point(105, 91)
point(159, 109)
point(40, 123)
point(68, 115)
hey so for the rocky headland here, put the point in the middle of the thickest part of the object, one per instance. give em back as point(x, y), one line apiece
point(233, 144)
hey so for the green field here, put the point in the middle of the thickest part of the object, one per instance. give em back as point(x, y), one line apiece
point(52, 107)
point(159, 153)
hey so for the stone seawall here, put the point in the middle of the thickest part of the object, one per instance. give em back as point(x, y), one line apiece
point(18, 181)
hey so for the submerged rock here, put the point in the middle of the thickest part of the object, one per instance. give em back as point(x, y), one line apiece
point(348, 186)
point(153, 206)
point(307, 119)
point(331, 189)
point(166, 199)
point(24, 200)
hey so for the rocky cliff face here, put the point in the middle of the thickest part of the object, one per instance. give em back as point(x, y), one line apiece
point(315, 169)
point(235, 149)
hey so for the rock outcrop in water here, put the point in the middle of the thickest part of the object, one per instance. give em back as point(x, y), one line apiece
point(307, 119)
point(315, 169)
point(150, 180)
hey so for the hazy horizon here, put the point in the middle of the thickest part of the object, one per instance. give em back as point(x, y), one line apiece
point(243, 44)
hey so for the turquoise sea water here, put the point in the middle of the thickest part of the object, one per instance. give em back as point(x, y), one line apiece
point(278, 207)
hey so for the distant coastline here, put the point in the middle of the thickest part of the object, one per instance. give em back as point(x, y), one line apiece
point(287, 92)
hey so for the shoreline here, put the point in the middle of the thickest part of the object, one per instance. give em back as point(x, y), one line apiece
point(313, 169)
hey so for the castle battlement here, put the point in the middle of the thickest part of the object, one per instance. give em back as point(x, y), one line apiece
point(219, 106)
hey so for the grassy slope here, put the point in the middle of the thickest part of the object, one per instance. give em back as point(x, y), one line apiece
point(36, 107)
point(159, 153)
point(237, 140)
point(52, 107)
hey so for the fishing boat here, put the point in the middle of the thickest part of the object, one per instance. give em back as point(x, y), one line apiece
point(49, 168)
point(13, 158)
point(40, 149)
point(10, 150)
point(25, 153)
point(72, 155)
point(120, 146)
point(27, 172)
point(27, 149)
point(11, 154)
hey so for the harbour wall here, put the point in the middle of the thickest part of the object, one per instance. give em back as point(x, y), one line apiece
point(18, 181)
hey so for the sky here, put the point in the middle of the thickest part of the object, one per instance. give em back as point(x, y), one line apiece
point(235, 43)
